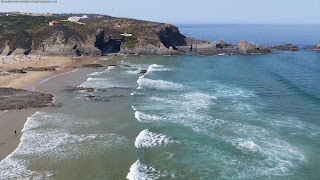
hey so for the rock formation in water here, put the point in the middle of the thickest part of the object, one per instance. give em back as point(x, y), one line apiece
point(315, 47)
point(203, 47)
point(286, 47)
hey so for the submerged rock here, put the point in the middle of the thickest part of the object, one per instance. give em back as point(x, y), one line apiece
point(18, 99)
point(96, 98)
point(143, 71)
point(69, 88)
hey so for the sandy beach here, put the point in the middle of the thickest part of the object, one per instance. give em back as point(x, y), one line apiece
point(23, 80)
point(14, 120)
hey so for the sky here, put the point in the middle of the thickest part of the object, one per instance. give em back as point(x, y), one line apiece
point(187, 11)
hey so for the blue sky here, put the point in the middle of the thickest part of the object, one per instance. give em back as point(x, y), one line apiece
point(189, 11)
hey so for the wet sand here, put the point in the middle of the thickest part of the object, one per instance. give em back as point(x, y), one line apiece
point(14, 120)
point(11, 121)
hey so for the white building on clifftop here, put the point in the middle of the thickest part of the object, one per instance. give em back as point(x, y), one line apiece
point(77, 18)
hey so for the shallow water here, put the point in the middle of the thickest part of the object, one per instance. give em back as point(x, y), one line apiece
point(188, 117)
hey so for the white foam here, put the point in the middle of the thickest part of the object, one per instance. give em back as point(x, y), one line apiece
point(110, 68)
point(136, 94)
point(106, 58)
point(101, 72)
point(11, 168)
point(47, 136)
point(249, 145)
point(97, 83)
point(145, 83)
point(134, 108)
point(139, 171)
point(147, 139)
point(143, 117)
point(156, 84)
point(156, 67)
point(95, 74)
point(31, 123)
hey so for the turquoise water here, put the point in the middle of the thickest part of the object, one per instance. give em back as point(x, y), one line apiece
point(189, 117)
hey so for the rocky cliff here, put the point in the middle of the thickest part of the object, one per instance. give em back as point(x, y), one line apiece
point(98, 35)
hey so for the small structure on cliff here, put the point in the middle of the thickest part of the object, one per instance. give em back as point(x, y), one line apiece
point(126, 35)
point(55, 23)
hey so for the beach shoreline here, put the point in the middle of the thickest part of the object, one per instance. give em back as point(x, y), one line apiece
point(14, 120)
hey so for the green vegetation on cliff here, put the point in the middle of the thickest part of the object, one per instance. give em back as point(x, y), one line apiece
point(32, 34)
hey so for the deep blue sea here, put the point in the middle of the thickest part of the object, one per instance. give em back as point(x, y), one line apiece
point(243, 117)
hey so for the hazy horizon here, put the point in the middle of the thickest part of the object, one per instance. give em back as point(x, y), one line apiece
point(286, 12)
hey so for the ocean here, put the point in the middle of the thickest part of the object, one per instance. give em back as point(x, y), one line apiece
point(189, 117)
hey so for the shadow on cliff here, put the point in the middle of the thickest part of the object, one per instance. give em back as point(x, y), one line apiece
point(107, 46)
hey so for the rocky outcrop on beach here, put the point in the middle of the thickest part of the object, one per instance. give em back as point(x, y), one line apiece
point(315, 47)
point(23, 70)
point(50, 68)
point(286, 47)
point(17, 99)
point(18, 71)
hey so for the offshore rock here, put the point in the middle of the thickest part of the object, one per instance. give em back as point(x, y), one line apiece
point(246, 47)
point(143, 71)
point(18, 99)
point(286, 47)
point(316, 47)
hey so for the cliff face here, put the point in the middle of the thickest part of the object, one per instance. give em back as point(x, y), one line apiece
point(99, 36)
point(103, 35)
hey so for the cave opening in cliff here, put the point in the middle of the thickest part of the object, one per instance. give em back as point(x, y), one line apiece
point(107, 46)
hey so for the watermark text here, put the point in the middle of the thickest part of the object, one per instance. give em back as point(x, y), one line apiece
point(29, 1)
